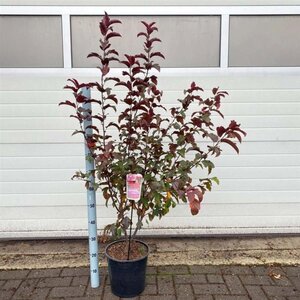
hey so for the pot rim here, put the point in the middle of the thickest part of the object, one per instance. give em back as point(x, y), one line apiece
point(130, 260)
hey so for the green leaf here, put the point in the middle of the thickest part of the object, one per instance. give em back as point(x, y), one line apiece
point(216, 180)
point(209, 165)
point(181, 152)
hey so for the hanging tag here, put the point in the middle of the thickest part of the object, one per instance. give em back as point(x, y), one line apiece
point(134, 186)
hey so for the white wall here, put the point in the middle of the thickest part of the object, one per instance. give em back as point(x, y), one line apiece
point(259, 190)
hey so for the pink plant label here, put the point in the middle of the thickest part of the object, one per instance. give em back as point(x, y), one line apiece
point(134, 186)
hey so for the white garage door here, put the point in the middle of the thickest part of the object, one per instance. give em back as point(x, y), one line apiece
point(259, 190)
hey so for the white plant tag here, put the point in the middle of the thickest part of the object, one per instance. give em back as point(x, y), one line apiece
point(134, 186)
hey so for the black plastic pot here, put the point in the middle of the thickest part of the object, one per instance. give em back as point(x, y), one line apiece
point(127, 277)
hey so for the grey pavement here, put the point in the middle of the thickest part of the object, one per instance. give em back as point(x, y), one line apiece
point(204, 282)
point(178, 268)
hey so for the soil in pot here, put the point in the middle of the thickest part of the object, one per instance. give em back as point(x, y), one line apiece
point(120, 250)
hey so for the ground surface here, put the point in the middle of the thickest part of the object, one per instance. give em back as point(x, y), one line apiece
point(256, 268)
point(163, 282)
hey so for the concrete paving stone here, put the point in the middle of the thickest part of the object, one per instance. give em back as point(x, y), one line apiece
point(156, 297)
point(150, 279)
point(11, 285)
point(108, 295)
point(131, 298)
point(234, 285)
point(256, 280)
point(214, 278)
point(295, 281)
point(172, 270)
point(26, 288)
point(2, 282)
point(151, 270)
point(55, 282)
point(259, 270)
point(205, 297)
point(44, 273)
point(75, 272)
point(231, 297)
point(40, 293)
point(83, 298)
point(277, 298)
point(292, 270)
point(13, 274)
point(94, 291)
point(190, 278)
point(150, 289)
point(165, 285)
point(205, 269)
point(70, 291)
point(90, 292)
point(80, 280)
point(293, 298)
point(236, 270)
point(184, 291)
point(4, 295)
point(210, 289)
point(255, 292)
point(281, 291)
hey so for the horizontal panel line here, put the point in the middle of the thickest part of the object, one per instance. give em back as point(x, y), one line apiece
point(165, 72)
point(214, 192)
point(221, 179)
point(275, 90)
point(227, 116)
point(223, 155)
point(167, 103)
point(171, 103)
point(180, 204)
point(219, 167)
point(76, 143)
point(244, 128)
point(224, 179)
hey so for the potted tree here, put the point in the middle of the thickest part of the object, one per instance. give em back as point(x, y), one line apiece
point(148, 141)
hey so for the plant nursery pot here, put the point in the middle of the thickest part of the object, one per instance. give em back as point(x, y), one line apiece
point(127, 277)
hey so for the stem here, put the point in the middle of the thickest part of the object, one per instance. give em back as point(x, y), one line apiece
point(137, 228)
point(130, 230)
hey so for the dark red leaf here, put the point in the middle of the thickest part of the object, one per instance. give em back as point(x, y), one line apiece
point(154, 40)
point(112, 34)
point(74, 89)
point(98, 118)
point(103, 28)
point(112, 51)
point(142, 33)
point(91, 143)
point(157, 54)
point(68, 103)
point(220, 131)
point(231, 143)
point(189, 137)
point(93, 127)
point(105, 69)
point(114, 125)
point(195, 197)
point(237, 135)
point(130, 59)
point(94, 54)
point(214, 90)
point(114, 21)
